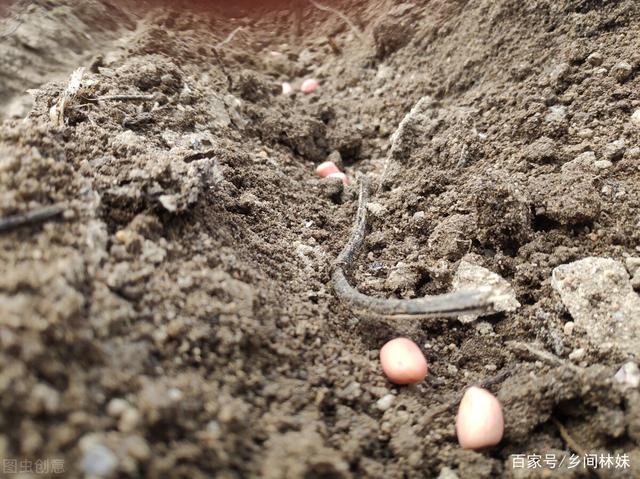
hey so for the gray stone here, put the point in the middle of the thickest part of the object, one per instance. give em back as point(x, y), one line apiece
point(595, 59)
point(621, 71)
point(470, 276)
point(613, 151)
point(598, 294)
point(603, 164)
point(581, 164)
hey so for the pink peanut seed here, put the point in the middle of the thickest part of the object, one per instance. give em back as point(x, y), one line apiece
point(403, 362)
point(480, 422)
point(326, 168)
point(309, 85)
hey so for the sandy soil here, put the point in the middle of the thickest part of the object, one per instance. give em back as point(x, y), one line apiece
point(177, 318)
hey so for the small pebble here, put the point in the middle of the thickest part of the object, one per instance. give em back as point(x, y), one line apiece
point(635, 117)
point(628, 375)
point(98, 460)
point(116, 407)
point(340, 175)
point(602, 164)
point(287, 89)
point(595, 59)
point(326, 168)
point(175, 394)
point(585, 133)
point(621, 71)
point(480, 422)
point(577, 354)
point(614, 151)
point(376, 209)
point(403, 362)
point(568, 328)
point(309, 85)
point(385, 402)
point(129, 420)
point(447, 473)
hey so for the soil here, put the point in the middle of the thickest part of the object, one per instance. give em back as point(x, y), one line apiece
point(177, 320)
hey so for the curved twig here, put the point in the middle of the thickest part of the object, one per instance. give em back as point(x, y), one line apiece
point(444, 305)
point(229, 37)
point(342, 16)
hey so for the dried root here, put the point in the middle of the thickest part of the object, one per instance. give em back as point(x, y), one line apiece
point(32, 217)
point(479, 300)
point(342, 16)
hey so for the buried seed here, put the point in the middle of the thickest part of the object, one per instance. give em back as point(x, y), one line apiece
point(403, 362)
point(480, 422)
point(326, 168)
point(309, 85)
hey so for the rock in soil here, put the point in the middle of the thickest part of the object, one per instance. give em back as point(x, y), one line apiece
point(470, 275)
point(598, 294)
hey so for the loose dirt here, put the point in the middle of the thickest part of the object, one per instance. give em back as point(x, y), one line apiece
point(177, 320)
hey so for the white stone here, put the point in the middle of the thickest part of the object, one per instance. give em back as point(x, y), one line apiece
point(385, 402)
point(376, 209)
point(577, 354)
point(170, 202)
point(628, 375)
point(129, 420)
point(116, 407)
point(471, 276)
point(98, 460)
point(446, 473)
point(568, 328)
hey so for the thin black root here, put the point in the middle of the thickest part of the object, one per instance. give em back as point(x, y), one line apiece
point(38, 215)
point(470, 301)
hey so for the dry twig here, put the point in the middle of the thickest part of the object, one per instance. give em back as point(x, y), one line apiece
point(229, 37)
point(131, 97)
point(543, 355)
point(31, 217)
point(56, 113)
point(444, 305)
point(346, 19)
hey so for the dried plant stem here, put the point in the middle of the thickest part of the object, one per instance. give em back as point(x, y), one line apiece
point(229, 37)
point(122, 98)
point(31, 217)
point(444, 305)
point(342, 16)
